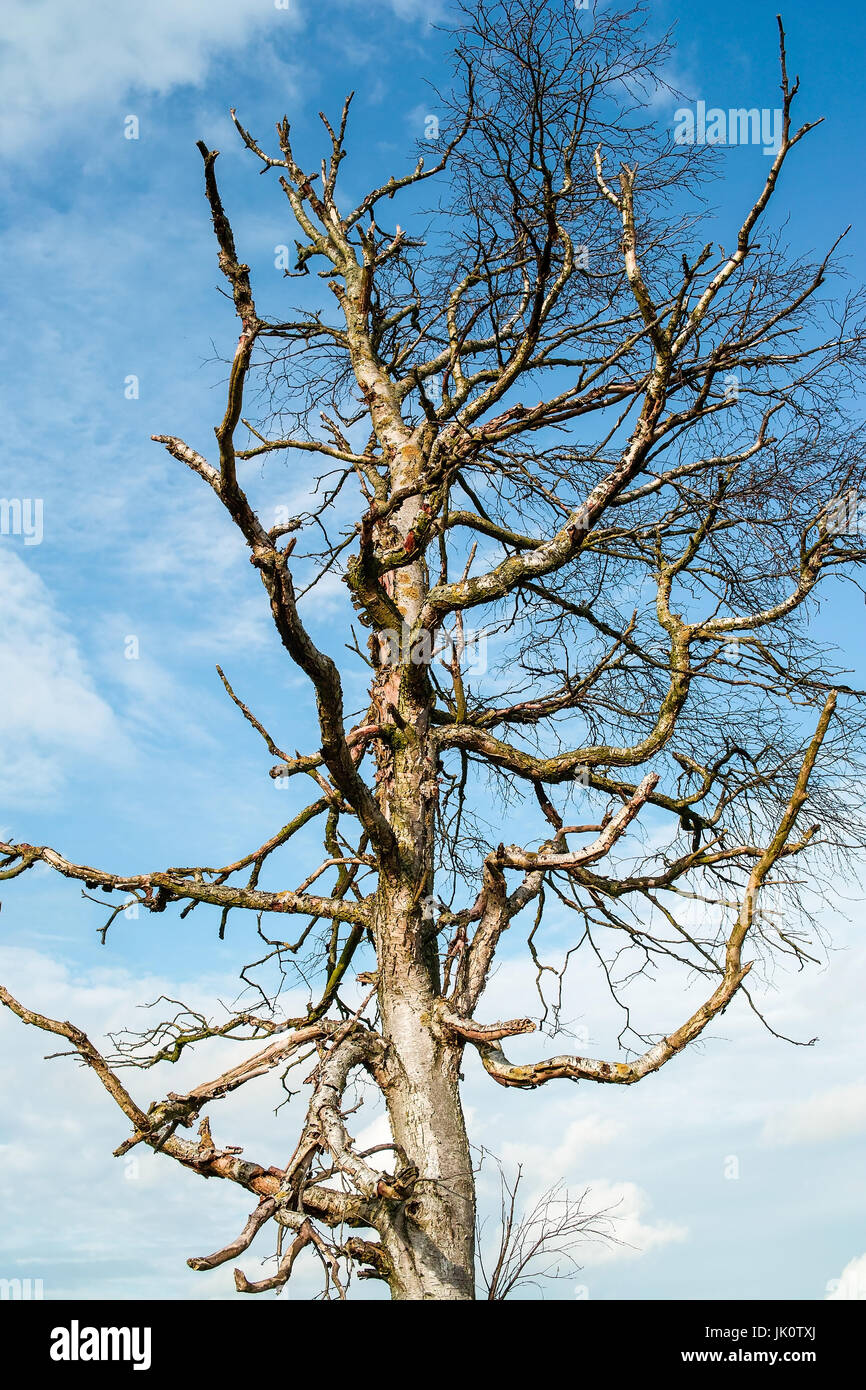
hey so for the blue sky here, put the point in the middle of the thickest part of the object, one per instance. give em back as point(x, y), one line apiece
point(111, 273)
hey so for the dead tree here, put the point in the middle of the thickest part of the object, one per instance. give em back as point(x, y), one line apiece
point(550, 412)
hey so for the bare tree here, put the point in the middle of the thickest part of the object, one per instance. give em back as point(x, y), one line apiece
point(549, 408)
point(537, 1244)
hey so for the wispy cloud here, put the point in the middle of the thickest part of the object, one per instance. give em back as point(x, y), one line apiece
point(851, 1284)
point(629, 1207)
point(52, 53)
point(52, 712)
point(820, 1119)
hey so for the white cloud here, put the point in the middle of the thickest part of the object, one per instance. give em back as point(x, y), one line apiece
point(56, 57)
point(851, 1285)
point(628, 1206)
point(546, 1163)
point(822, 1118)
point(51, 709)
point(60, 1129)
point(625, 1203)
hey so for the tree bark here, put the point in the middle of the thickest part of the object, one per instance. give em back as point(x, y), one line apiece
point(431, 1241)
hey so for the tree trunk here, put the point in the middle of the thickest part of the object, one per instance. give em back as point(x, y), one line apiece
point(431, 1242)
